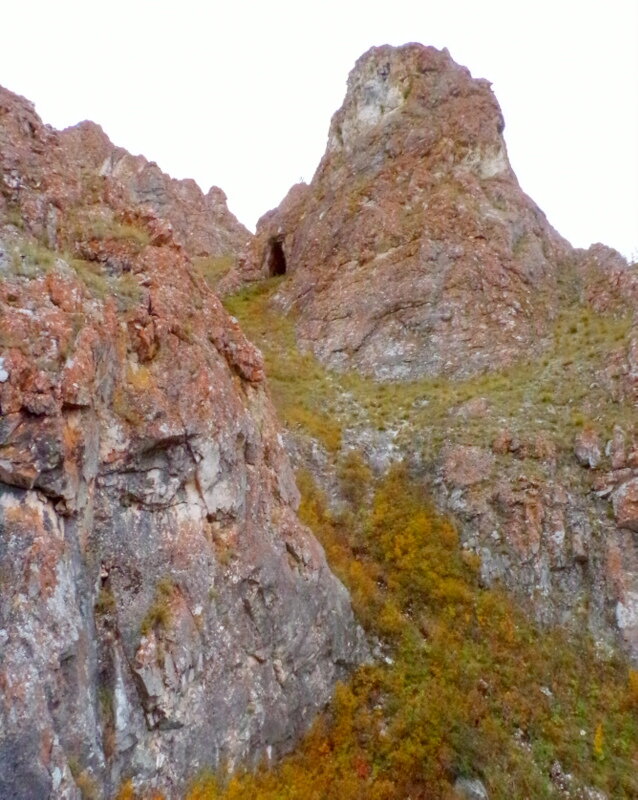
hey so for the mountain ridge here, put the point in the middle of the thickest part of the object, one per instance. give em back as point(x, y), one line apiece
point(155, 561)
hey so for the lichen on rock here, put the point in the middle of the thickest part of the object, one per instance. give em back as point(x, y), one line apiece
point(162, 609)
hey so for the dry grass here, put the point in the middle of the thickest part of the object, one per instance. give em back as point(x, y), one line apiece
point(556, 393)
point(213, 268)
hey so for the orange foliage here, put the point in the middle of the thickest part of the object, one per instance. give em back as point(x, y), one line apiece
point(462, 676)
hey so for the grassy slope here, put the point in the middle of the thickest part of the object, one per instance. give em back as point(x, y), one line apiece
point(558, 393)
point(469, 686)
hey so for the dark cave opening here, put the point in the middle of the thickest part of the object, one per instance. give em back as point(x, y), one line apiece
point(276, 259)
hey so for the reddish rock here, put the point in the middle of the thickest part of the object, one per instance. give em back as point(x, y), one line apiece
point(200, 222)
point(476, 408)
point(87, 194)
point(539, 446)
point(610, 284)
point(502, 442)
point(150, 552)
point(463, 466)
point(625, 501)
point(414, 251)
point(616, 448)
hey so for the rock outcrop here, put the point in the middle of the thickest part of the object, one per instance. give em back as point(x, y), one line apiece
point(413, 254)
point(162, 608)
point(201, 223)
point(413, 251)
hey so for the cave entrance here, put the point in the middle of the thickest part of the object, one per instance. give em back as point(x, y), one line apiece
point(275, 258)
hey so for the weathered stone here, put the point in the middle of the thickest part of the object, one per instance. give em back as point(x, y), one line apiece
point(475, 408)
point(615, 448)
point(463, 466)
point(587, 448)
point(625, 502)
point(153, 618)
point(200, 222)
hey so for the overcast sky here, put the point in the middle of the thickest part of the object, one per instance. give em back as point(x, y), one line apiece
point(240, 94)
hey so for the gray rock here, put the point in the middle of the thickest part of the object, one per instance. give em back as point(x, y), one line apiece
point(587, 449)
point(471, 789)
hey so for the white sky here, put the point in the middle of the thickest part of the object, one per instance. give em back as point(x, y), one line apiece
point(240, 94)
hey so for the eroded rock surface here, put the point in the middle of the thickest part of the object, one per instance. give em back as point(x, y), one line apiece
point(201, 222)
point(414, 254)
point(414, 251)
point(162, 608)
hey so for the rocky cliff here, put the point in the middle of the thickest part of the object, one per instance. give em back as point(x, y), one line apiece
point(414, 256)
point(162, 608)
point(413, 251)
point(201, 222)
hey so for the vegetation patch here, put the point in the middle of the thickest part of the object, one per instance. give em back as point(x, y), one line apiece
point(105, 603)
point(303, 391)
point(124, 288)
point(569, 385)
point(158, 617)
point(102, 228)
point(213, 268)
point(466, 685)
point(31, 260)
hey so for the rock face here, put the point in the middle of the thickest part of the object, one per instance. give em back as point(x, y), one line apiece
point(413, 251)
point(162, 608)
point(201, 222)
point(414, 254)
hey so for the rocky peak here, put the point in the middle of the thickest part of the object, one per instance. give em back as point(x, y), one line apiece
point(420, 82)
point(201, 223)
point(414, 254)
point(85, 175)
point(416, 200)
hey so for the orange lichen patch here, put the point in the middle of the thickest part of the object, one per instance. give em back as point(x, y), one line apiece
point(615, 567)
point(126, 791)
point(72, 437)
point(139, 378)
point(40, 566)
point(14, 690)
point(143, 335)
point(21, 519)
point(79, 373)
point(46, 745)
